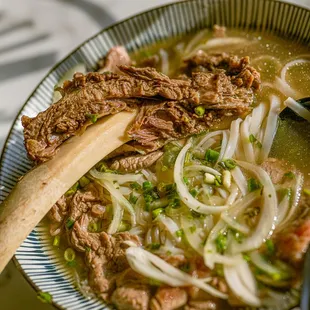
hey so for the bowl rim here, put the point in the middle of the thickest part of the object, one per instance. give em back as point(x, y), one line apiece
point(68, 55)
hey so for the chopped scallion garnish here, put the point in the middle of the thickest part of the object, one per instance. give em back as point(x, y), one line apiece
point(212, 156)
point(157, 212)
point(179, 233)
point(56, 240)
point(69, 255)
point(200, 110)
point(92, 117)
point(45, 297)
point(93, 227)
point(69, 223)
point(253, 185)
point(254, 141)
point(289, 175)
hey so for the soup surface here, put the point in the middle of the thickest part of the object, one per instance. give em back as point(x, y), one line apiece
point(200, 209)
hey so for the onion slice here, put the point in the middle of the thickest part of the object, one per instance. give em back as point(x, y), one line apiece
point(183, 191)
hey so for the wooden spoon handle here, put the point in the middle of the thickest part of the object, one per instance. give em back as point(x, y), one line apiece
point(40, 188)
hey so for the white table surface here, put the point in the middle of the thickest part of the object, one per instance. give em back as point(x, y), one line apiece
point(34, 35)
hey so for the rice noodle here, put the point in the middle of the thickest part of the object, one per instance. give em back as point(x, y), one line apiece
point(283, 209)
point(120, 198)
point(153, 267)
point(223, 145)
point(297, 108)
point(182, 189)
point(233, 139)
point(245, 138)
point(117, 216)
point(241, 282)
point(258, 115)
point(207, 137)
point(285, 88)
point(150, 176)
point(268, 214)
point(222, 192)
point(195, 40)
point(170, 225)
point(240, 180)
point(234, 192)
point(291, 64)
point(119, 178)
point(271, 128)
point(164, 61)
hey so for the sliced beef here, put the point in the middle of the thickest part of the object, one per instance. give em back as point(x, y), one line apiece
point(132, 291)
point(239, 69)
point(219, 31)
point(89, 97)
point(105, 255)
point(168, 298)
point(136, 162)
point(116, 56)
point(73, 206)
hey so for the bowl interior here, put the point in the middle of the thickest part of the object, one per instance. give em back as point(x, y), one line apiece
point(36, 257)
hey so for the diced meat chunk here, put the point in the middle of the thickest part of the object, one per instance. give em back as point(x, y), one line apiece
point(116, 56)
point(168, 298)
point(292, 243)
point(277, 169)
point(132, 291)
point(202, 305)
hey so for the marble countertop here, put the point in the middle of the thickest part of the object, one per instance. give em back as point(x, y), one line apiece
point(35, 35)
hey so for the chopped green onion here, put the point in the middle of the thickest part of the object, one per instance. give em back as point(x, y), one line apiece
point(147, 186)
point(135, 185)
point(306, 191)
point(92, 117)
point(87, 249)
point(246, 257)
point(254, 141)
point(73, 189)
point(71, 264)
point(221, 242)
point(45, 297)
point(185, 267)
point(157, 212)
point(238, 235)
point(212, 156)
point(270, 246)
point(56, 241)
point(123, 226)
point(84, 181)
point(228, 164)
point(192, 229)
point(154, 282)
point(153, 246)
point(69, 255)
point(93, 227)
point(179, 233)
point(218, 180)
point(200, 110)
point(132, 199)
point(69, 223)
point(194, 192)
point(186, 180)
point(289, 175)
point(253, 185)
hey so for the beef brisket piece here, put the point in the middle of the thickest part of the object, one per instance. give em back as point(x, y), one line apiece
point(94, 95)
point(105, 255)
point(169, 298)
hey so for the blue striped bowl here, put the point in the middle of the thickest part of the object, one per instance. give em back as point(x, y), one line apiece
point(35, 257)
